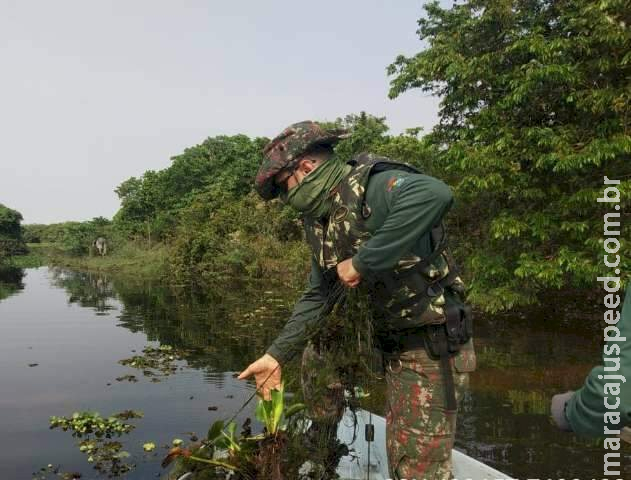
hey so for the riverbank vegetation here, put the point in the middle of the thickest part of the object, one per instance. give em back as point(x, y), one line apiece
point(11, 241)
point(534, 113)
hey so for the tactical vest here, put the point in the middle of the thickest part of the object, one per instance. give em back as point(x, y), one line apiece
point(413, 294)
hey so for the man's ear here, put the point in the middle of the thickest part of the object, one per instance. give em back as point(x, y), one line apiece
point(306, 165)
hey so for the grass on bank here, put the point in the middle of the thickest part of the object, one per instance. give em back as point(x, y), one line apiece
point(255, 257)
point(130, 258)
point(36, 257)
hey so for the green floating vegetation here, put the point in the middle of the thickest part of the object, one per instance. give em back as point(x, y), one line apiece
point(154, 362)
point(55, 470)
point(149, 446)
point(96, 432)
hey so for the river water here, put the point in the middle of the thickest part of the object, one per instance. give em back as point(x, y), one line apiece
point(62, 334)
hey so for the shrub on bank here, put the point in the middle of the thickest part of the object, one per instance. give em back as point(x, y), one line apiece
point(219, 238)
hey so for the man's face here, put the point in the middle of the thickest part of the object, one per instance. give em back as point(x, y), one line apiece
point(287, 180)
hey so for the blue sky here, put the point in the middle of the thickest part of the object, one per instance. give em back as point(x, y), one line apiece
point(92, 93)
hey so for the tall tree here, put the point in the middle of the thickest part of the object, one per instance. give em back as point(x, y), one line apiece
point(11, 242)
point(535, 112)
point(225, 165)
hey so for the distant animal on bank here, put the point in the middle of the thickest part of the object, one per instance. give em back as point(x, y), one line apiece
point(101, 246)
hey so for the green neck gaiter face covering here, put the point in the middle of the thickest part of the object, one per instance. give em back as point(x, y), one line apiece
point(312, 195)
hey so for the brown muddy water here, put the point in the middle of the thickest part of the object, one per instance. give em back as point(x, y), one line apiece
point(62, 334)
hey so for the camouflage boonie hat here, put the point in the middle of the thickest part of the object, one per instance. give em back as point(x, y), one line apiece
point(285, 150)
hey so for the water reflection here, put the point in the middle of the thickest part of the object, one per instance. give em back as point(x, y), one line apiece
point(225, 327)
point(10, 281)
point(86, 289)
point(523, 360)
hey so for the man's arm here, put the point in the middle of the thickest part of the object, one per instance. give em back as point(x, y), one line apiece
point(583, 411)
point(294, 335)
point(408, 207)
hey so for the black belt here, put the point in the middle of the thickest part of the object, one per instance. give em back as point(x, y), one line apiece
point(413, 339)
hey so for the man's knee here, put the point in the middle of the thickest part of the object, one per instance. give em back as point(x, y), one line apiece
point(433, 463)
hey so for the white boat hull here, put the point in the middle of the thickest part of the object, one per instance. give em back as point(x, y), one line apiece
point(356, 465)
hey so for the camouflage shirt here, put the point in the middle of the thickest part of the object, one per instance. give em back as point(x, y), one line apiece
point(405, 206)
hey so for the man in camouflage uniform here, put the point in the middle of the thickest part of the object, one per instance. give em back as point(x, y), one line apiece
point(376, 224)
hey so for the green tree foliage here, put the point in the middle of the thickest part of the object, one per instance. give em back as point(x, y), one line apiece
point(219, 237)
point(136, 206)
point(150, 204)
point(204, 207)
point(535, 112)
point(11, 242)
point(78, 237)
point(74, 238)
point(33, 233)
point(365, 134)
point(41, 233)
point(368, 133)
point(224, 229)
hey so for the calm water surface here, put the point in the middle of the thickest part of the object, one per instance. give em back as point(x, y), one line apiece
point(76, 326)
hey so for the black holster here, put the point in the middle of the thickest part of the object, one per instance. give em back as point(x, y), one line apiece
point(445, 340)
point(451, 335)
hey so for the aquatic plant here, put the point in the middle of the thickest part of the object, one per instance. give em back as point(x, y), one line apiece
point(86, 423)
point(275, 453)
point(154, 362)
point(45, 473)
point(272, 413)
point(149, 446)
point(107, 456)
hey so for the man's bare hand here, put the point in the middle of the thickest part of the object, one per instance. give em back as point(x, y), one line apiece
point(264, 367)
point(347, 273)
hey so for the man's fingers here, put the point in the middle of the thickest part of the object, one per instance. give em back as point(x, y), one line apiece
point(351, 283)
point(246, 373)
point(265, 384)
point(266, 372)
point(266, 393)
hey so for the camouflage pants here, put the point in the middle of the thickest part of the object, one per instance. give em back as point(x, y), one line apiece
point(420, 431)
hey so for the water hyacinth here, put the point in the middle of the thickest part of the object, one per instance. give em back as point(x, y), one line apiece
point(155, 361)
point(277, 452)
point(106, 456)
point(149, 446)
